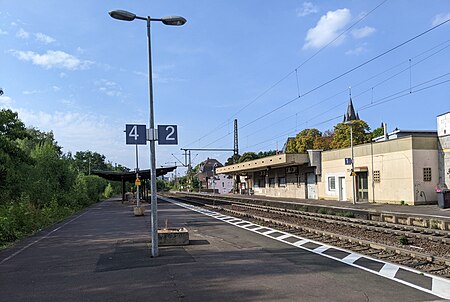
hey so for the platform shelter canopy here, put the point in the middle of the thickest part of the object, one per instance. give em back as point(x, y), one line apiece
point(131, 175)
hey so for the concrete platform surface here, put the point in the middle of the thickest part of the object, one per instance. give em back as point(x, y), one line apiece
point(418, 210)
point(103, 254)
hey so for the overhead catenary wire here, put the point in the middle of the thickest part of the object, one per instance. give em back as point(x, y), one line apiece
point(399, 94)
point(345, 73)
point(440, 47)
point(223, 124)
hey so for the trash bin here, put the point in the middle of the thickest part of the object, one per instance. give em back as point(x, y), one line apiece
point(444, 199)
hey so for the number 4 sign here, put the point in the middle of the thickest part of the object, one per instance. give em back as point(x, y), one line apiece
point(167, 135)
point(136, 134)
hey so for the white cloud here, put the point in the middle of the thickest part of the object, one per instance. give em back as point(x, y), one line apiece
point(141, 74)
point(56, 88)
point(22, 34)
point(29, 92)
point(307, 9)
point(62, 75)
point(356, 51)
point(44, 38)
point(75, 131)
point(6, 101)
point(3, 32)
point(363, 32)
point(109, 88)
point(327, 29)
point(69, 103)
point(52, 59)
point(438, 19)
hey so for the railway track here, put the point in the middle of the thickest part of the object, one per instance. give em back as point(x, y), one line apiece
point(426, 250)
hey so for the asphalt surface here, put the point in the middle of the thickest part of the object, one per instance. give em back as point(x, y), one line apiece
point(103, 254)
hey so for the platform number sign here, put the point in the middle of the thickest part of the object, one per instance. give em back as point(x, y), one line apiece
point(167, 135)
point(136, 134)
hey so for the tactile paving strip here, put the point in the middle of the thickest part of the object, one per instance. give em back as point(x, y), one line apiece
point(422, 281)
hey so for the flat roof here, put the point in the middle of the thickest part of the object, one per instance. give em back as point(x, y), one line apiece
point(280, 160)
point(131, 176)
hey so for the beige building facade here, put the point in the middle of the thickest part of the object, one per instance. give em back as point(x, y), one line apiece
point(401, 167)
point(282, 175)
point(403, 170)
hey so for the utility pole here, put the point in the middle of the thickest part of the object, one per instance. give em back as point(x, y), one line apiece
point(235, 154)
point(236, 144)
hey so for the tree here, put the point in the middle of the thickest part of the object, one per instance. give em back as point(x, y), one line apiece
point(232, 160)
point(324, 142)
point(377, 132)
point(262, 154)
point(341, 137)
point(50, 177)
point(86, 161)
point(13, 159)
point(36, 137)
point(248, 156)
point(303, 141)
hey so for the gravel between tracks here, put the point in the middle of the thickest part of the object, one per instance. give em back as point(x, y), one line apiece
point(433, 248)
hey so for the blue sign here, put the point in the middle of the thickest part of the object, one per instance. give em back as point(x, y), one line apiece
point(167, 135)
point(348, 161)
point(136, 134)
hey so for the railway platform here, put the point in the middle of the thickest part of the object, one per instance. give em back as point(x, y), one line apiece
point(103, 254)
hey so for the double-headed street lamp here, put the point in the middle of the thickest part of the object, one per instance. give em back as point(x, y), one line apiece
point(171, 20)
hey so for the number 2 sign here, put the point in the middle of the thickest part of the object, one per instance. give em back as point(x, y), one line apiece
point(136, 134)
point(167, 135)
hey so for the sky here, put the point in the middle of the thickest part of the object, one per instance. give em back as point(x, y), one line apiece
point(278, 67)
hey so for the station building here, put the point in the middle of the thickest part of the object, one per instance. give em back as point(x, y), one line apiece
point(399, 167)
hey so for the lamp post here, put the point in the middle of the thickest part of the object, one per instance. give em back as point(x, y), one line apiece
point(170, 20)
point(353, 161)
point(138, 204)
point(214, 178)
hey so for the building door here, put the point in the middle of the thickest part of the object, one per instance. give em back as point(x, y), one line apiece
point(362, 186)
point(311, 186)
point(341, 187)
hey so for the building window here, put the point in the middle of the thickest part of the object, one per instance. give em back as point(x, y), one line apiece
point(282, 181)
point(272, 182)
point(262, 183)
point(376, 176)
point(426, 174)
point(331, 183)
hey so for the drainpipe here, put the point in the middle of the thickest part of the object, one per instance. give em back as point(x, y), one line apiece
point(373, 181)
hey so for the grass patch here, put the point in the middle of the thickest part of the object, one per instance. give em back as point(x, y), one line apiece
point(403, 240)
point(347, 214)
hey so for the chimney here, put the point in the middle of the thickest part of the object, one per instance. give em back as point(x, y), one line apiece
point(385, 132)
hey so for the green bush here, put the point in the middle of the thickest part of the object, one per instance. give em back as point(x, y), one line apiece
point(39, 185)
point(346, 214)
point(109, 191)
point(18, 219)
point(322, 211)
point(403, 240)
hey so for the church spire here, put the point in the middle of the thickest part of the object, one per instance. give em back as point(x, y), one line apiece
point(350, 115)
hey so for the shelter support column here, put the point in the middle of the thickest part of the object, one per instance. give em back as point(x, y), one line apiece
point(123, 189)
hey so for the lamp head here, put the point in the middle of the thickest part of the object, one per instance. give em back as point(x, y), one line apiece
point(122, 15)
point(173, 20)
